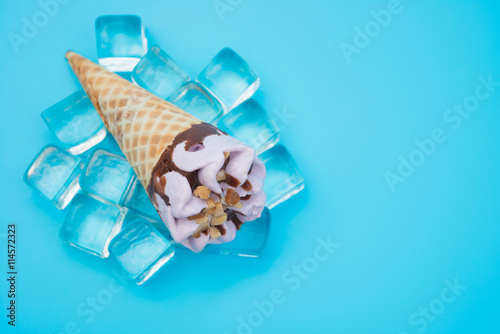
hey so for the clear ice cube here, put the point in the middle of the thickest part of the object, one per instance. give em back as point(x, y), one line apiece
point(75, 122)
point(250, 238)
point(156, 221)
point(197, 101)
point(229, 78)
point(141, 250)
point(120, 41)
point(90, 225)
point(107, 175)
point(283, 178)
point(250, 124)
point(54, 174)
point(159, 74)
point(137, 199)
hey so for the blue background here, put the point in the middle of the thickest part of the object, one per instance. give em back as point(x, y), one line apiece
point(351, 123)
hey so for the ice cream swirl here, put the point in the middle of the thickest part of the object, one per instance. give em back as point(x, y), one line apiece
point(206, 185)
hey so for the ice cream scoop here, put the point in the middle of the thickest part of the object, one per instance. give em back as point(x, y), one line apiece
point(204, 184)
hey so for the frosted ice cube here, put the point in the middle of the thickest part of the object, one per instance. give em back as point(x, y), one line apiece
point(107, 175)
point(90, 225)
point(158, 73)
point(121, 41)
point(197, 101)
point(251, 124)
point(229, 78)
point(283, 178)
point(54, 174)
point(75, 122)
point(141, 250)
point(250, 238)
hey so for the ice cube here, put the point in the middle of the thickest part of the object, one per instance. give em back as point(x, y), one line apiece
point(250, 124)
point(159, 74)
point(283, 178)
point(107, 175)
point(197, 101)
point(229, 78)
point(54, 174)
point(75, 122)
point(250, 238)
point(121, 41)
point(156, 221)
point(141, 250)
point(90, 225)
point(137, 199)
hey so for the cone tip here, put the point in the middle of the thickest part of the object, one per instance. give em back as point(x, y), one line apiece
point(68, 54)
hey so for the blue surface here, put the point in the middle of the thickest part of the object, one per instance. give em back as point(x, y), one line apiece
point(250, 239)
point(394, 253)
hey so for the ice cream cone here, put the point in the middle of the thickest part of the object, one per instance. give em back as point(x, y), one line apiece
point(203, 183)
point(142, 123)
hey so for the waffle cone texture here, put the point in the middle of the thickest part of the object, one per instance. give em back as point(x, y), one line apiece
point(142, 123)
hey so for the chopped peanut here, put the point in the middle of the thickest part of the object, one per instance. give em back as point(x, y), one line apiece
point(202, 220)
point(221, 175)
point(202, 192)
point(210, 203)
point(218, 220)
point(232, 197)
point(226, 155)
point(219, 210)
point(211, 219)
point(214, 233)
point(196, 216)
point(200, 229)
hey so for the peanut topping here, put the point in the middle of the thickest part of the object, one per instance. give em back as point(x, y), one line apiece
point(226, 155)
point(202, 220)
point(218, 220)
point(196, 216)
point(232, 197)
point(202, 192)
point(221, 175)
point(211, 219)
point(214, 233)
point(219, 210)
point(238, 205)
point(203, 227)
point(210, 203)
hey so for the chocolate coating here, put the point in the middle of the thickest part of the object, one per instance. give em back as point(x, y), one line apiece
point(192, 136)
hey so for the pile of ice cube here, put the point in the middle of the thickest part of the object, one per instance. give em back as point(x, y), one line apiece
point(109, 210)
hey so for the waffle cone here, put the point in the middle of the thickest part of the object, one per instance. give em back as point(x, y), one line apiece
point(142, 123)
